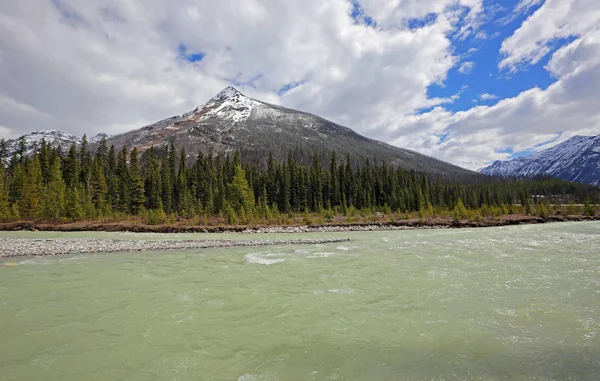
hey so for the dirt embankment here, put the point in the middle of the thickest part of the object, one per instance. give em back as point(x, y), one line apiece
point(183, 227)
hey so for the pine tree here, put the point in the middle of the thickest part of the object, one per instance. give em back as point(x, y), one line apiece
point(239, 195)
point(152, 184)
point(29, 200)
point(284, 195)
point(85, 163)
point(263, 204)
point(98, 187)
point(136, 184)
point(70, 168)
point(3, 150)
point(181, 183)
point(74, 208)
point(5, 209)
point(53, 201)
point(44, 157)
point(334, 188)
point(123, 182)
point(167, 177)
point(460, 212)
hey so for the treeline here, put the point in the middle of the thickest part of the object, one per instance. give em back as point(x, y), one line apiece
point(80, 185)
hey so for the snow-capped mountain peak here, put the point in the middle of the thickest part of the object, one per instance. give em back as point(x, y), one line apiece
point(228, 104)
point(227, 93)
point(575, 159)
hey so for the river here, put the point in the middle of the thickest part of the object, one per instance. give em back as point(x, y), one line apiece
point(511, 303)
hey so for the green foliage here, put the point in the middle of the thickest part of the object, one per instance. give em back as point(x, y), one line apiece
point(30, 195)
point(161, 186)
point(239, 195)
point(136, 184)
point(155, 216)
point(571, 209)
point(460, 212)
point(74, 203)
point(230, 215)
point(328, 214)
point(589, 209)
point(53, 203)
point(5, 208)
point(542, 210)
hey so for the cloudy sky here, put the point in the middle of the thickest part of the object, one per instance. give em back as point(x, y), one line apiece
point(467, 81)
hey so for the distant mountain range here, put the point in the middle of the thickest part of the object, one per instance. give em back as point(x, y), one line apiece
point(576, 159)
point(232, 121)
point(54, 138)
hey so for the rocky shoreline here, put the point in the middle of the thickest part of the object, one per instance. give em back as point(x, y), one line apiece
point(20, 247)
point(427, 223)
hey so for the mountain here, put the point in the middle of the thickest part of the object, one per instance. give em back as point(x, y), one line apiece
point(53, 138)
point(231, 120)
point(576, 159)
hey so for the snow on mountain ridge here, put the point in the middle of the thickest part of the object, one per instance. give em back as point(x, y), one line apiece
point(575, 159)
point(54, 138)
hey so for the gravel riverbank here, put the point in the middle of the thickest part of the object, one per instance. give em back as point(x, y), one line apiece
point(18, 247)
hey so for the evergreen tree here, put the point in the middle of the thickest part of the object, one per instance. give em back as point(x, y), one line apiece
point(239, 195)
point(153, 185)
point(123, 182)
point(70, 168)
point(29, 200)
point(136, 184)
point(53, 203)
point(98, 190)
point(5, 209)
point(167, 167)
point(74, 208)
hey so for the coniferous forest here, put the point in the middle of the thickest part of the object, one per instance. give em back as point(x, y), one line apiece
point(164, 185)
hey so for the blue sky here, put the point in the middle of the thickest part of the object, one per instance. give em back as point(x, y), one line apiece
point(486, 77)
point(466, 81)
point(485, 83)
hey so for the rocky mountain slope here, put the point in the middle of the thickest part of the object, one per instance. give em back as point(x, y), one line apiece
point(576, 159)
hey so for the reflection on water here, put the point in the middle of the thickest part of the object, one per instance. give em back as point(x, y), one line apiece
point(518, 303)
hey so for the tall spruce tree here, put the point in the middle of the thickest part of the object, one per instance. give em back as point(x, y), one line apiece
point(53, 200)
point(136, 184)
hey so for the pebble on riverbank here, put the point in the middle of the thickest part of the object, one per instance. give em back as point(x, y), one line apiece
point(18, 247)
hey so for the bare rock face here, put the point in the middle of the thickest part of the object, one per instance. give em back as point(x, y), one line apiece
point(576, 159)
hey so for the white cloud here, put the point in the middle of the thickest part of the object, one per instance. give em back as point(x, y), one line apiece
point(566, 108)
point(487, 97)
point(536, 116)
point(109, 65)
point(525, 5)
point(554, 20)
point(466, 67)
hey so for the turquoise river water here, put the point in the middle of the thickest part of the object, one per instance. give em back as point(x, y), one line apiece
point(513, 303)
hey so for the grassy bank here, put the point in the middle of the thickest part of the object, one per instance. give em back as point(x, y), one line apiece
point(377, 221)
